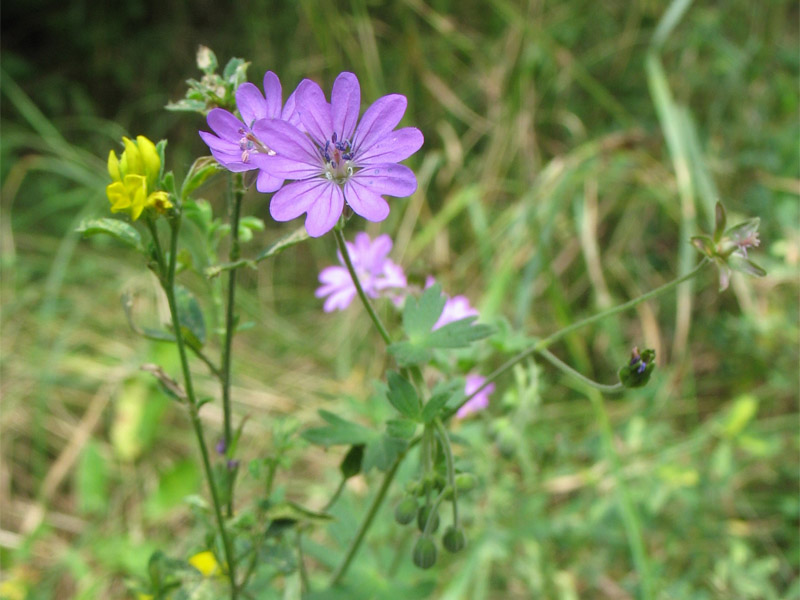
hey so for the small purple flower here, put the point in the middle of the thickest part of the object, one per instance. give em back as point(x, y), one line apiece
point(222, 446)
point(376, 273)
point(235, 146)
point(339, 159)
point(481, 399)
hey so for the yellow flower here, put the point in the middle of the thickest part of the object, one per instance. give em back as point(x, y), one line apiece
point(133, 179)
point(206, 563)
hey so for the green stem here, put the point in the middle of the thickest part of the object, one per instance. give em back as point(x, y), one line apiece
point(364, 300)
point(551, 339)
point(630, 517)
point(230, 321)
point(365, 524)
point(169, 289)
point(557, 362)
point(451, 470)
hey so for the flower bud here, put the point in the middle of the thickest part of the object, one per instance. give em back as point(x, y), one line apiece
point(465, 482)
point(422, 518)
point(424, 555)
point(404, 512)
point(454, 539)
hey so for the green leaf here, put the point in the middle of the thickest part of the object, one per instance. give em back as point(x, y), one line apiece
point(419, 316)
point(351, 463)
point(338, 432)
point(190, 316)
point(403, 396)
point(403, 429)
point(120, 230)
point(295, 237)
point(703, 244)
point(458, 334)
point(408, 354)
point(744, 265)
point(203, 168)
point(382, 451)
point(91, 480)
point(434, 406)
point(720, 219)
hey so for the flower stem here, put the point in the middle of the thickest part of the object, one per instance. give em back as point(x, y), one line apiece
point(451, 470)
point(169, 290)
point(554, 337)
point(365, 524)
point(364, 300)
point(557, 362)
point(230, 319)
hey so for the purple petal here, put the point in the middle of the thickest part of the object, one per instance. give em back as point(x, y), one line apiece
point(289, 112)
point(314, 111)
point(293, 199)
point(325, 210)
point(225, 125)
point(267, 183)
point(217, 143)
point(345, 104)
point(393, 147)
point(365, 202)
point(251, 104)
point(273, 95)
point(390, 179)
point(380, 118)
point(287, 141)
point(285, 168)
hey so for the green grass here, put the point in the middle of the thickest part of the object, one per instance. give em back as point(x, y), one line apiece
point(571, 150)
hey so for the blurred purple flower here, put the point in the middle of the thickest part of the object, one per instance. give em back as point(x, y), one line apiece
point(481, 399)
point(235, 146)
point(336, 161)
point(376, 273)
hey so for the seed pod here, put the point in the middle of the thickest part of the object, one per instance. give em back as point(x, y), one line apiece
point(465, 482)
point(454, 539)
point(405, 511)
point(422, 519)
point(424, 555)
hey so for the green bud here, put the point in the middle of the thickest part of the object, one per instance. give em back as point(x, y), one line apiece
point(424, 553)
point(422, 519)
point(638, 370)
point(507, 443)
point(454, 539)
point(465, 482)
point(404, 512)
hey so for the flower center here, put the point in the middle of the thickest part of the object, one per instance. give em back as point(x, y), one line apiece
point(338, 157)
point(249, 143)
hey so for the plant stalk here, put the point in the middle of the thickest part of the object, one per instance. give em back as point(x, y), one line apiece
point(169, 289)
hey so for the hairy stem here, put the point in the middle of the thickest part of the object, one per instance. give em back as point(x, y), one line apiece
point(230, 319)
point(191, 402)
point(364, 300)
point(557, 362)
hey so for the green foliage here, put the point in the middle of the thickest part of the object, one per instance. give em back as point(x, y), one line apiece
point(564, 169)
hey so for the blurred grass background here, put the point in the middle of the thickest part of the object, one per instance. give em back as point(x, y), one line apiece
point(571, 150)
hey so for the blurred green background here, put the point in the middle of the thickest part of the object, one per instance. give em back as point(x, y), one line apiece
point(571, 150)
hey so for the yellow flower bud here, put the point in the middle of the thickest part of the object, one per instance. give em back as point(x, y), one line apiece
point(132, 158)
point(152, 163)
point(113, 166)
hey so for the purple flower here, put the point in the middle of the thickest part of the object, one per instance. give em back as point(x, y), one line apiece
point(480, 401)
point(339, 159)
point(235, 146)
point(376, 273)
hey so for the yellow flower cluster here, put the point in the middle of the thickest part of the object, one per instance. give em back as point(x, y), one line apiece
point(133, 179)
